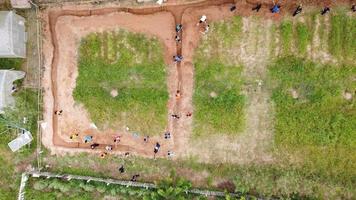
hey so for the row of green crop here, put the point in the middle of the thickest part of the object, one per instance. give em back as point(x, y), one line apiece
point(299, 35)
point(168, 189)
point(342, 42)
point(341, 34)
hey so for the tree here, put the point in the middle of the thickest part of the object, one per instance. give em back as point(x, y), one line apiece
point(172, 188)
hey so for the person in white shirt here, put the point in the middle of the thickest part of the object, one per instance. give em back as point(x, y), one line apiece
point(202, 20)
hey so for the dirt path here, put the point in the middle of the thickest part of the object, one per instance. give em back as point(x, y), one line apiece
point(67, 25)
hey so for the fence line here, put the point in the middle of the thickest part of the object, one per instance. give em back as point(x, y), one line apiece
point(24, 178)
point(37, 174)
point(39, 85)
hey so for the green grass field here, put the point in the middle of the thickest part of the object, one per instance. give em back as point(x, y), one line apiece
point(218, 102)
point(320, 123)
point(132, 65)
point(320, 115)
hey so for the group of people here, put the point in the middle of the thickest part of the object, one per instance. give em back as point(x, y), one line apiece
point(276, 9)
point(94, 145)
point(203, 24)
point(178, 38)
point(116, 140)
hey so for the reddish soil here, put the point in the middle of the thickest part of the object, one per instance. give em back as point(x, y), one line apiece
point(67, 25)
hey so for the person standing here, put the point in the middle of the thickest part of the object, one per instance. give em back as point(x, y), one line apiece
point(257, 8)
point(177, 38)
point(202, 20)
point(121, 169)
point(179, 28)
point(298, 10)
point(325, 10)
point(93, 146)
point(157, 147)
point(88, 138)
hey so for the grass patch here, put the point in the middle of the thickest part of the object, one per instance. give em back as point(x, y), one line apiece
point(286, 31)
point(217, 99)
point(26, 106)
point(320, 116)
point(136, 70)
point(303, 37)
point(11, 63)
point(282, 180)
point(320, 123)
point(227, 31)
point(223, 35)
point(342, 36)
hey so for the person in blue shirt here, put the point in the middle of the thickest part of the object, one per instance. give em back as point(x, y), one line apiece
point(257, 8)
point(275, 8)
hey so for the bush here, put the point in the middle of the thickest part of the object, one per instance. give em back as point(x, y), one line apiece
point(11, 63)
point(55, 184)
point(64, 187)
point(113, 192)
point(40, 185)
point(87, 187)
point(101, 189)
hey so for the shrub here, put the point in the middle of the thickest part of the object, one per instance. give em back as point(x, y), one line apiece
point(101, 189)
point(55, 184)
point(11, 63)
point(40, 185)
point(64, 187)
point(113, 192)
point(87, 187)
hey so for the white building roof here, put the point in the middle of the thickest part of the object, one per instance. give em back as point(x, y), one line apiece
point(20, 4)
point(20, 141)
point(7, 77)
point(5, 31)
point(12, 35)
